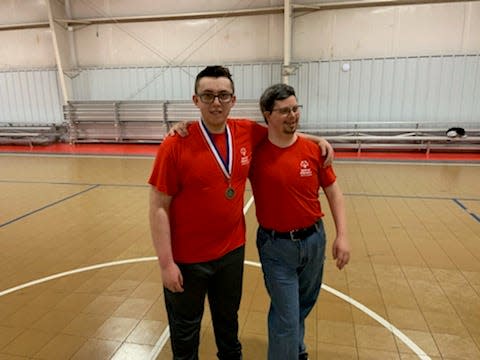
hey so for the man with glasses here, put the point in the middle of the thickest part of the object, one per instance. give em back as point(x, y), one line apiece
point(286, 174)
point(196, 217)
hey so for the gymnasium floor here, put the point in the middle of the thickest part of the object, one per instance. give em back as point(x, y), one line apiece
point(79, 279)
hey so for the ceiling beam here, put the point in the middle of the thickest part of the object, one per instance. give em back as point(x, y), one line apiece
point(232, 13)
point(36, 25)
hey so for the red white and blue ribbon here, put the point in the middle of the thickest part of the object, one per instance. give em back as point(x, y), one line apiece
point(225, 165)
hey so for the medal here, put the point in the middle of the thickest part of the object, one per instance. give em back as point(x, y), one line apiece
point(229, 193)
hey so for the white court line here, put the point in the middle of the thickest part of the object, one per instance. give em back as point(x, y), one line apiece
point(404, 338)
point(247, 205)
point(166, 333)
point(160, 343)
point(76, 271)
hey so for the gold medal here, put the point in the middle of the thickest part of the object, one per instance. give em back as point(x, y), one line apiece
point(229, 193)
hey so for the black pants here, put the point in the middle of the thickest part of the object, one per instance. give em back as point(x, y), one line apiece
point(221, 280)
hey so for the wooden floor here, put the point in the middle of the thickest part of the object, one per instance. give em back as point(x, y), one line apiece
point(79, 279)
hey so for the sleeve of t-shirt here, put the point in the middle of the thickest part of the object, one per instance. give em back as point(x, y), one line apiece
point(258, 133)
point(165, 172)
point(326, 176)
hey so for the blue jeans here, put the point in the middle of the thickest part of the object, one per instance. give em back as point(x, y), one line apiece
point(293, 273)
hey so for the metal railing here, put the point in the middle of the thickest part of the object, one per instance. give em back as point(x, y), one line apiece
point(400, 136)
point(135, 121)
point(149, 121)
point(30, 134)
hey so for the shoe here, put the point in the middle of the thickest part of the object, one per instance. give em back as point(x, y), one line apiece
point(303, 356)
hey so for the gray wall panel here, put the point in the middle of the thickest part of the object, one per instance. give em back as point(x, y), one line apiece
point(429, 91)
point(166, 83)
point(433, 91)
point(30, 97)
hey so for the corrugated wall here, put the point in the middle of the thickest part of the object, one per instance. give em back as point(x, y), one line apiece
point(432, 91)
point(30, 97)
point(167, 83)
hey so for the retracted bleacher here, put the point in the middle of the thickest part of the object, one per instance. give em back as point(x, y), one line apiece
point(112, 121)
point(135, 121)
point(148, 122)
point(400, 136)
point(29, 134)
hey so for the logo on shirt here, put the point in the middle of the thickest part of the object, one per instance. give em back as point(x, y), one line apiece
point(305, 168)
point(244, 159)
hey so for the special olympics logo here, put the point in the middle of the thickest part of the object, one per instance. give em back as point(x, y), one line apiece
point(304, 164)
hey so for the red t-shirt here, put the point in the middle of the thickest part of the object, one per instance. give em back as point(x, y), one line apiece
point(286, 182)
point(204, 224)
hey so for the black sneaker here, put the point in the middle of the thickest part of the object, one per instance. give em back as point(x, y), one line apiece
point(303, 356)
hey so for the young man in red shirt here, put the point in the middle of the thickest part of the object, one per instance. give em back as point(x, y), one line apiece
point(287, 172)
point(196, 217)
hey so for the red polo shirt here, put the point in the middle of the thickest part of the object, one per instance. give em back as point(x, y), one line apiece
point(205, 225)
point(286, 182)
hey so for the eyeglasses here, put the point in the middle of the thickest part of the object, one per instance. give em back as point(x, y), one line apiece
point(286, 110)
point(208, 98)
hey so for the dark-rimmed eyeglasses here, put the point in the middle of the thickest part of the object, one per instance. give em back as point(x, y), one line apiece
point(287, 110)
point(208, 98)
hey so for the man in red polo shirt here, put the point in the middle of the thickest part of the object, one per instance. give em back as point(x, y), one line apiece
point(286, 174)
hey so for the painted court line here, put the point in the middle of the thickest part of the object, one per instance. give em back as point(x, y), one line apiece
point(472, 214)
point(404, 338)
point(76, 271)
point(157, 349)
point(47, 206)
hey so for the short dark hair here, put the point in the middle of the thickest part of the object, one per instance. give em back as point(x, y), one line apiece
point(273, 93)
point(215, 71)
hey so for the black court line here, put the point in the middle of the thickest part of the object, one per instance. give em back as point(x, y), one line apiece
point(472, 214)
point(69, 183)
point(93, 186)
point(456, 200)
point(424, 197)
point(421, 197)
point(47, 206)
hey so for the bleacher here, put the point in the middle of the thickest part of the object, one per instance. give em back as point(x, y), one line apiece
point(410, 136)
point(149, 121)
point(135, 121)
point(30, 134)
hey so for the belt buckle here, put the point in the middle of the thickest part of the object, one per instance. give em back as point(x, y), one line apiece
point(292, 235)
